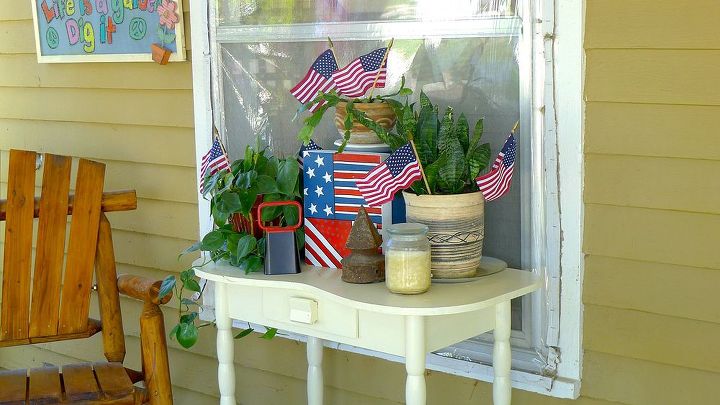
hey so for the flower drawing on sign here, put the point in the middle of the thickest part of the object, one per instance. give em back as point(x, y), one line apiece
point(166, 30)
point(168, 16)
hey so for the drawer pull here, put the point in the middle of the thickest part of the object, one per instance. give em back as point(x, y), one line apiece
point(303, 310)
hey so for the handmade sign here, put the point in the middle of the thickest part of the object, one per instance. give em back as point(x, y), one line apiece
point(332, 201)
point(107, 30)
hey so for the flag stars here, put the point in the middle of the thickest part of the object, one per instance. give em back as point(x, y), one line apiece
point(320, 161)
point(305, 191)
point(319, 191)
point(327, 177)
point(327, 210)
point(311, 172)
point(313, 209)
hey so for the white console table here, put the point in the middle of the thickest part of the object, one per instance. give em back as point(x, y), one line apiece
point(316, 303)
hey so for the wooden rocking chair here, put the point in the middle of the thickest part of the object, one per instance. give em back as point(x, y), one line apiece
point(49, 304)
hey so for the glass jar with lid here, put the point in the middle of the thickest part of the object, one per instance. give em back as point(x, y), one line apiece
point(407, 259)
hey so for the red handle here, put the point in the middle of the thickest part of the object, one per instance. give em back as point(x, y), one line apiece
point(271, 229)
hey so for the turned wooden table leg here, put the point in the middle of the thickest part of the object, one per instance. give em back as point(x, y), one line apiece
point(415, 360)
point(314, 374)
point(502, 355)
point(225, 354)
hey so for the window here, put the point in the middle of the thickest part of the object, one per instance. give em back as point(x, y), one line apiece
point(486, 58)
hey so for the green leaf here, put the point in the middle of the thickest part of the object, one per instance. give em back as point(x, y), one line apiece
point(450, 175)
point(477, 135)
point(245, 180)
point(232, 242)
point(187, 274)
point(192, 248)
point(189, 318)
point(446, 133)
point(188, 302)
point(270, 213)
point(251, 264)
point(230, 202)
point(247, 200)
point(192, 285)
point(245, 246)
point(426, 136)
point(244, 333)
point(291, 214)
point(287, 177)
point(478, 161)
point(213, 240)
point(219, 217)
point(248, 160)
point(432, 170)
point(405, 92)
point(462, 132)
point(424, 100)
point(266, 185)
point(174, 331)
point(271, 332)
point(187, 335)
point(166, 286)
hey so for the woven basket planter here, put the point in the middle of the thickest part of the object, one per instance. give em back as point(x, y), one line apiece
point(457, 229)
point(381, 113)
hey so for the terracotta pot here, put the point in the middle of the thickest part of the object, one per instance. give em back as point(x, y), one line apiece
point(160, 55)
point(457, 229)
point(381, 113)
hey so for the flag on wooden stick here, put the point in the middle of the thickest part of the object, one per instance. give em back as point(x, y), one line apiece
point(496, 183)
point(356, 78)
point(397, 172)
point(318, 78)
point(215, 160)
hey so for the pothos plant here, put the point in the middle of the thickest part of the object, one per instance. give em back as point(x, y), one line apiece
point(332, 99)
point(258, 176)
point(450, 156)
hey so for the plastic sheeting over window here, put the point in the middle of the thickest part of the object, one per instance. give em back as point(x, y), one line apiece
point(461, 53)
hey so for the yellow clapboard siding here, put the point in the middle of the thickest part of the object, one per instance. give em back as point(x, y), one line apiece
point(157, 182)
point(680, 291)
point(639, 382)
point(17, 36)
point(653, 337)
point(172, 108)
point(672, 237)
point(652, 130)
point(152, 251)
point(652, 24)
point(164, 218)
point(666, 183)
point(653, 76)
point(14, 10)
point(21, 70)
point(129, 143)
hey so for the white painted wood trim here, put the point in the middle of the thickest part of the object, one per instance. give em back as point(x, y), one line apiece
point(569, 108)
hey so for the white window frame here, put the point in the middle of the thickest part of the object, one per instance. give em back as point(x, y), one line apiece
point(556, 118)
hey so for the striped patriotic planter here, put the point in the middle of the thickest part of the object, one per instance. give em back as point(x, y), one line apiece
point(331, 201)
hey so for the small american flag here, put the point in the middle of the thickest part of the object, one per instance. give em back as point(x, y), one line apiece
point(356, 78)
point(214, 161)
point(318, 78)
point(304, 151)
point(496, 183)
point(397, 172)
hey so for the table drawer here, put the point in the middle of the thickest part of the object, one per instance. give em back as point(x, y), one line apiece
point(305, 311)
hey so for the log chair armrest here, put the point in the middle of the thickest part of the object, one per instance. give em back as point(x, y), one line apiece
point(142, 288)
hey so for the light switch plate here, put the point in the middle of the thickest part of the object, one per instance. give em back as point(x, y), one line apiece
point(303, 310)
